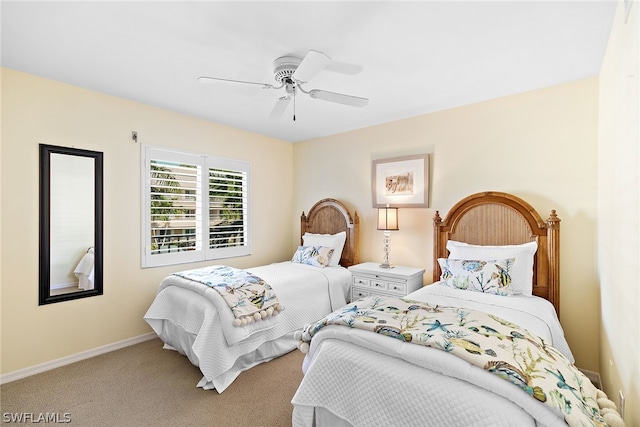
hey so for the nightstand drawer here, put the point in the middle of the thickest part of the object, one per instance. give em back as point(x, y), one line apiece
point(361, 281)
point(356, 294)
point(379, 284)
point(400, 288)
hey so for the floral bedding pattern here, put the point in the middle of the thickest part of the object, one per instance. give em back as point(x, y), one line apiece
point(489, 277)
point(317, 256)
point(484, 340)
point(249, 297)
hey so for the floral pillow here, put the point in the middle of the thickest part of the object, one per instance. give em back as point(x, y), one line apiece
point(335, 241)
point(521, 272)
point(318, 256)
point(489, 277)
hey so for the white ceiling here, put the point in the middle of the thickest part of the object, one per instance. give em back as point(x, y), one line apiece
point(417, 57)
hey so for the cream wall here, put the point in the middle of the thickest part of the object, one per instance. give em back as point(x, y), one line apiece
point(35, 110)
point(619, 213)
point(541, 146)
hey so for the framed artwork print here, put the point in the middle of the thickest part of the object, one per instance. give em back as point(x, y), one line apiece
point(401, 182)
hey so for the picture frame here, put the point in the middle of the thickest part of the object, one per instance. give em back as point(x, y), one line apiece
point(401, 182)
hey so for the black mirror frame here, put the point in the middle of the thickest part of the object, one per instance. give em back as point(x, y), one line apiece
point(45, 296)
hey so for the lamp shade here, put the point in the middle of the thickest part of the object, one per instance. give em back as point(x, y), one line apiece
point(387, 218)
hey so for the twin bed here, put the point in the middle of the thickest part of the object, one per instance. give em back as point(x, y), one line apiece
point(193, 319)
point(453, 348)
point(356, 375)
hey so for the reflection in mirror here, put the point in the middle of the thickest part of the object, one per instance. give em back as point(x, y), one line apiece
point(70, 223)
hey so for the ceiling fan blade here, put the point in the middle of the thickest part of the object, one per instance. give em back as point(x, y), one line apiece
point(340, 98)
point(205, 79)
point(240, 87)
point(279, 108)
point(344, 68)
point(311, 64)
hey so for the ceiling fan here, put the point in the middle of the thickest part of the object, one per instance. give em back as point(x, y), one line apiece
point(291, 72)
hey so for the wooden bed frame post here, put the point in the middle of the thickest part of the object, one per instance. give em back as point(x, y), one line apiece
point(553, 242)
point(438, 250)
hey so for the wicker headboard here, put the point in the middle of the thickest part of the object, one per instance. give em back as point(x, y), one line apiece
point(329, 216)
point(493, 218)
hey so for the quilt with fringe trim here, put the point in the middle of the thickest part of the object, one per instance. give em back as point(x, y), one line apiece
point(248, 296)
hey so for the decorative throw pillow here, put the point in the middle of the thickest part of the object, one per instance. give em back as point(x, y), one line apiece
point(522, 270)
point(335, 241)
point(318, 256)
point(489, 277)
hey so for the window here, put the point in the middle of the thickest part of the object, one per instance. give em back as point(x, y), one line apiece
point(195, 207)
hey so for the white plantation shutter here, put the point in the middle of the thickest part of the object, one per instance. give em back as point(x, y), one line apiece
point(195, 207)
point(228, 207)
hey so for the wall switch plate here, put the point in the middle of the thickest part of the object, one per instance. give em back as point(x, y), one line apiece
point(621, 403)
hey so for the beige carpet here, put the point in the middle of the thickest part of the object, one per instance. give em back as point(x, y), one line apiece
point(144, 385)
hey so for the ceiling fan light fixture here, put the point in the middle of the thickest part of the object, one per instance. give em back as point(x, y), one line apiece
point(290, 87)
point(284, 67)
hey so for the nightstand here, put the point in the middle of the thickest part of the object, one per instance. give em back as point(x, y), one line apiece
point(370, 279)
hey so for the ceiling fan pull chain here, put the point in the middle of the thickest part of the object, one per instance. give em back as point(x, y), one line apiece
point(294, 106)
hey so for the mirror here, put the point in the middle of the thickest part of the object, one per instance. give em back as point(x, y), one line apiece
point(70, 223)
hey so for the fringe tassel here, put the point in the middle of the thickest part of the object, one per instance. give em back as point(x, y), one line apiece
point(274, 310)
point(609, 410)
point(302, 345)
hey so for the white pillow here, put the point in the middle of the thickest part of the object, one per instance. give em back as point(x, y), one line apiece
point(522, 271)
point(335, 241)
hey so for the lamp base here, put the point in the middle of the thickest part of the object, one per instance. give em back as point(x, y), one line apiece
point(387, 238)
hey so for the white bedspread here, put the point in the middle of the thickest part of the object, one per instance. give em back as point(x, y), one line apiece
point(360, 378)
point(192, 318)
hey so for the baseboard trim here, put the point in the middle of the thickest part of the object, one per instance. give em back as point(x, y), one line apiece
point(594, 377)
point(67, 360)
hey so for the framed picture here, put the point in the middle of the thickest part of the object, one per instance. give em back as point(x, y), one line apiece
point(401, 182)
